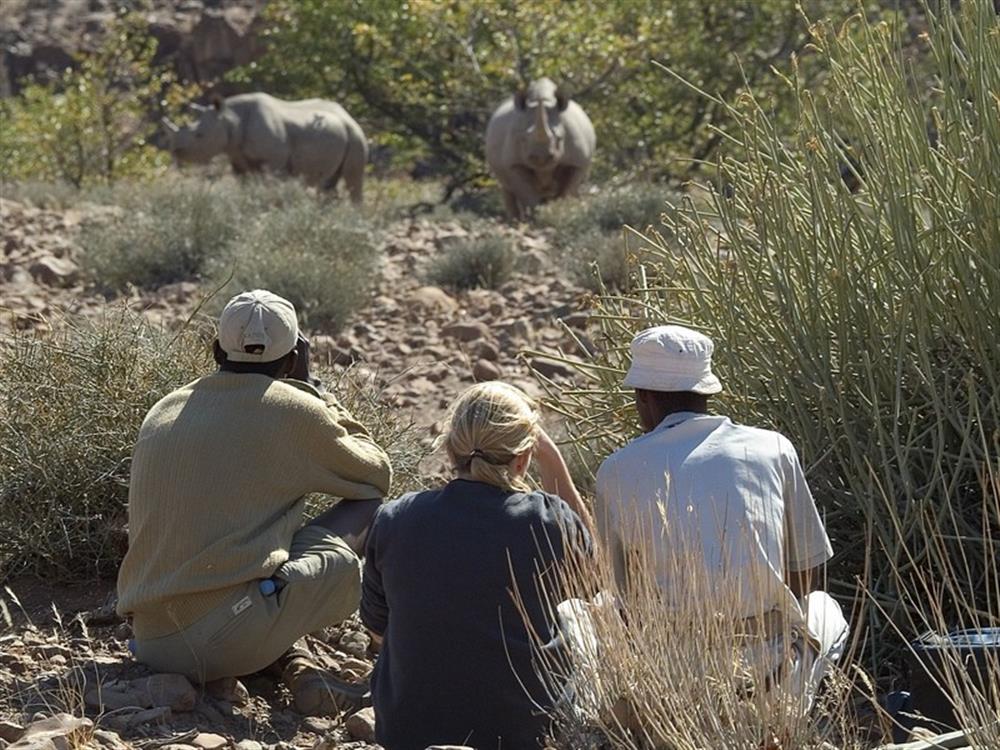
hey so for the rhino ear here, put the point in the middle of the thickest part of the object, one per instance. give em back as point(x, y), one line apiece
point(562, 100)
point(217, 102)
point(521, 99)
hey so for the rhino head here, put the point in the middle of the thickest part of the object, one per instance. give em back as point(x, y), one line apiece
point(205, 138)
point(542, 138)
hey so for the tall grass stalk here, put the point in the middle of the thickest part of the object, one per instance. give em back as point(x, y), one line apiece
point(641, 668)
point(865, 325)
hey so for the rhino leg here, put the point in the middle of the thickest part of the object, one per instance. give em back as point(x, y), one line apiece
point(519, 185)
point(511, 205)
point(354, 172)
point(568, 179)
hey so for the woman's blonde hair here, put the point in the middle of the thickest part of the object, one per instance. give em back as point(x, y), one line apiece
point(489, 425)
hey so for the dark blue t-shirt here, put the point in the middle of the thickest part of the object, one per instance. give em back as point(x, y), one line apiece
point(439, 575)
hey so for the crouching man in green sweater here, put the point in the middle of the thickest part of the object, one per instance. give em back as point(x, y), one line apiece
point(221, 575)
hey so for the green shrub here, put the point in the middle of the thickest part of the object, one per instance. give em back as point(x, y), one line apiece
point(637, 205)
point(164, 232)
point(429, 75)
point(92, 124)
point(71, 403)
point(589, 235)
point(863, 325)
point(404, 440)
point(324, 260)
point(485, 261)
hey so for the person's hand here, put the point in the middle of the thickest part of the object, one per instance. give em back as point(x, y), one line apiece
point(301, 369)
point(547, 453)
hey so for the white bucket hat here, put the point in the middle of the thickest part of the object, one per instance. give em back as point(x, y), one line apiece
point(672, 358)
point(257, 326)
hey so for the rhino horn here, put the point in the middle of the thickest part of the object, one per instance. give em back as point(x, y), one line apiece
point(171, 128)
point(542, 132)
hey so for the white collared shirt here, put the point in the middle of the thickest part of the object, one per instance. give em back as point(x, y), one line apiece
point(720, 511)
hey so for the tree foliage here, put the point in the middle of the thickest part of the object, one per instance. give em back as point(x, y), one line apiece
point(93, 123)
point(429, 74)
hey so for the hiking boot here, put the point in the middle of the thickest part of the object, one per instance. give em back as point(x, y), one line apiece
point(316, 692)
point(228, 689)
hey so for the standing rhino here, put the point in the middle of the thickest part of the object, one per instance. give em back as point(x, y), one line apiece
point(539, 146)
point(313, 138)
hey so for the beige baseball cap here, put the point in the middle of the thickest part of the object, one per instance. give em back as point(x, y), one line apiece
point(672, 358)
point(257, 326)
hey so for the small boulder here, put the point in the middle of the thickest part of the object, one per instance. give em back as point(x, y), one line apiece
point(173, 690)
point(548, 368)
point(59, 732)
point(210, 741)
point(486, 350)
point(468, 331)
point(485, 370)
point(361, 725)
point(10, 732)
point(431, 299)
point(53, 271)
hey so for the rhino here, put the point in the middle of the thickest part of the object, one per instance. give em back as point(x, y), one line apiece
point(312, 138)
point(539, 146)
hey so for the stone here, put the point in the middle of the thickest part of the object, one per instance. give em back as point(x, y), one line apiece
point(431, 299)
point(210, 741)
point(59, 732)
point(53, 271)
point(486, 350)
point(354, 643)
point(110, 740)
point(485, 370)
point(469, 331)
point(517, 329)
point(361, 725)
point(228, 689)
point(577, 319)
point(548, 368)
point(249, 745)
point(173, 690)
point(10, 732)
point(158, 715)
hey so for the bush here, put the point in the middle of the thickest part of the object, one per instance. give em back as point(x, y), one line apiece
point(71, 403)
point(636, 205)
point(92, 124)
point(362, 393)
point(485, 261)
point(863, 325)
point(324, 261)
point(164, 233)
point(590, 238)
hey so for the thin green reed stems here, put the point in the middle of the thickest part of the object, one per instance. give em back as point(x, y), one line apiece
point(866, 324)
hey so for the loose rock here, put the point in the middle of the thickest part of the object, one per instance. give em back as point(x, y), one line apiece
point(471, 331)
point(485, 370)
point(361, 725)
point(210, 741)
point(59, 732)
point(10, 732)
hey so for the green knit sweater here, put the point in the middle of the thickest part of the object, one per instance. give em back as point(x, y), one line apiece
point(219, 476)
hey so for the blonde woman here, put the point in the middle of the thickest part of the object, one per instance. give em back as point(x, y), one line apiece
point(440, 567)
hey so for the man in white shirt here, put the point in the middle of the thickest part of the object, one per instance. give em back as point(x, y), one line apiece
point(719, 513)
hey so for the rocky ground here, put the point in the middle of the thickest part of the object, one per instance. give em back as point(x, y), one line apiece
point(65, 671)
